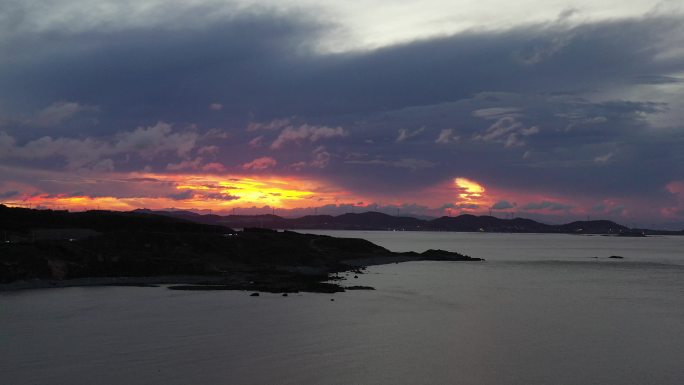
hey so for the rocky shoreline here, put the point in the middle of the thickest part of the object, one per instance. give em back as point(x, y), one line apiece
point(278, 281)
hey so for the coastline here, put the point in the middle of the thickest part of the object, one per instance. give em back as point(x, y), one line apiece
point(290, 280)
point(151, 281)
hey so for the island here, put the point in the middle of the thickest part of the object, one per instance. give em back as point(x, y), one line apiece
point(52, 248)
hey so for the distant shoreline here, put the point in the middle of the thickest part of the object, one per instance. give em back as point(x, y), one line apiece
point(151, 281)
point(376, 221)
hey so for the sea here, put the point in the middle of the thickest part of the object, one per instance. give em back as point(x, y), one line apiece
point(542, 309)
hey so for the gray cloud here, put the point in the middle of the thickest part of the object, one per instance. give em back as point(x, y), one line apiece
point(58, 113)
point(460, 206)
point(546, 205)
point(8, 194)
point(503, 205)
point(306, 133)
point(275, 124)
point(447, 136)
point(320, 158)
point(407, 163)
point(507, 130)
point(143, 142)
point(405, 133)
point(496, 112)
point(223, 197)
point(185, 194)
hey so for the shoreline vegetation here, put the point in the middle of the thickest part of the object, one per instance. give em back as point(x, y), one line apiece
point(46, 248)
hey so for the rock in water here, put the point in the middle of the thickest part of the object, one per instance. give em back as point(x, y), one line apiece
point(359, 288)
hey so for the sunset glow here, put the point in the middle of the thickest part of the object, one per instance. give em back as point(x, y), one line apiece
point(470, 190)
point(203, 192)
point(274, 192)
point(296, 195)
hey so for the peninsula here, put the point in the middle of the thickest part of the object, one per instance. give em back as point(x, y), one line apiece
point(44, 248)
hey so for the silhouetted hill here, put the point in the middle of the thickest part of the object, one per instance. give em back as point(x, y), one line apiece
point(362, 221)
point(379, 221)
point(59, 245)
point(468, 222)
point(23, 220)
point(370, 220)
point(594, 227)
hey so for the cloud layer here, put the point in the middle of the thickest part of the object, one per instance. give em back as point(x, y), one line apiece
point(564, 117)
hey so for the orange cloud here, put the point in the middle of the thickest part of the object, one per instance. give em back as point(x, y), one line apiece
point(469, 190)
point(215, 192)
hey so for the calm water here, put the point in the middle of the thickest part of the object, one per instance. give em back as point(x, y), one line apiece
point(541, 310)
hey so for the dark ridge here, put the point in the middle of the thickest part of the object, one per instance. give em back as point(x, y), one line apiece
point(379, 221)
point(23, 220)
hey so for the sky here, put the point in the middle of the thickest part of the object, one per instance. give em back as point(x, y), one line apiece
point(551, 110)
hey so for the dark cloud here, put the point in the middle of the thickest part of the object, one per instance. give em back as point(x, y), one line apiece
point(657, 79)
point(185, 194)
point(503, 205)
point(546, 205)
point(467, 206)
point(146, 179)
point(8, 194)
point(222, 197)
point(271, 71)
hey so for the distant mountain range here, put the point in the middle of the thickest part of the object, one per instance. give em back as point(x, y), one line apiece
point(378, 221)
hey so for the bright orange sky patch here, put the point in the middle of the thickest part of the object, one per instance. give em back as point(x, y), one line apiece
point(203, 192)
point(470, 190)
